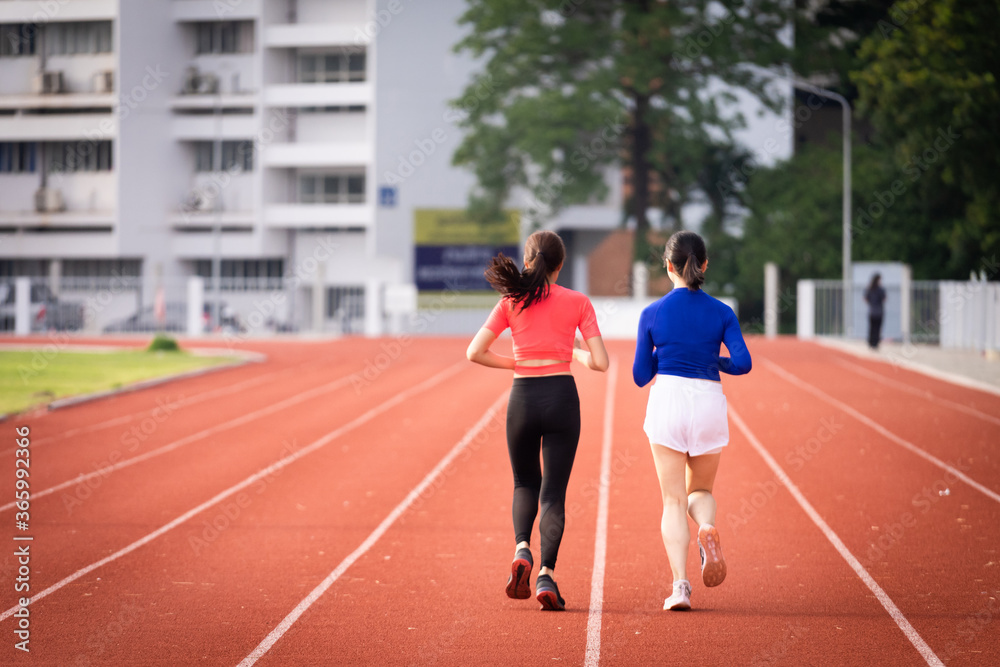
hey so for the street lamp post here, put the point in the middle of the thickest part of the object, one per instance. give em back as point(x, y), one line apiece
point(846, 241)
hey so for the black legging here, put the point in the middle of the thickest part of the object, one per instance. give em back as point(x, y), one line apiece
point(543, 412)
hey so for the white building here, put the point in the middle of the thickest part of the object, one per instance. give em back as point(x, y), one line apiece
point(164, 139)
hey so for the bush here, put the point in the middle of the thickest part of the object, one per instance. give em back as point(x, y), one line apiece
point(163, 343)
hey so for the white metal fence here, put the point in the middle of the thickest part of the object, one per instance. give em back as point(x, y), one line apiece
point(952, 314)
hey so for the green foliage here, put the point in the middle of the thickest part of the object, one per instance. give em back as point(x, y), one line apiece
point(569, 87)
point(929, 82)
point(163, 343)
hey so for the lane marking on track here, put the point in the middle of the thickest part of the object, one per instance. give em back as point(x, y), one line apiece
point(286, 623)
point(887, 603)
point(819, 393)
point(187, 440)
point(861, 370)
point(252, 479)
point(601, 539)
point(125, 419)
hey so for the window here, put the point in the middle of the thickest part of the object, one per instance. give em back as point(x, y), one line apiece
point(346, 304)
point(101, 273)
point(66, 39)
point(17, 157)
point(331, 67)
point(18, 39)
point(224, 37)
point(71, 156)
point(332, 189)
point(244, 274)
point(236, 156)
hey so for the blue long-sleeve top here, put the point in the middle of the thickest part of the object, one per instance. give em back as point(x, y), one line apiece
point(681, 334)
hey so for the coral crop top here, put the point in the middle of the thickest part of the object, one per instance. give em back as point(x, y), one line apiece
point(546, 329)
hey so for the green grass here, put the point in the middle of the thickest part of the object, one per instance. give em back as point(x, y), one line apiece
point(36, 377)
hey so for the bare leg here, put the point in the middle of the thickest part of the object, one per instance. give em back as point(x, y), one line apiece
point(701, 471)
point(670, 466)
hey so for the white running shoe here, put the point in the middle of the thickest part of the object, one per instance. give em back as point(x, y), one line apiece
point(713, 565)
point(681, 599)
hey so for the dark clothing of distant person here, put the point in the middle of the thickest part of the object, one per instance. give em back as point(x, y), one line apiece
point(875, 296)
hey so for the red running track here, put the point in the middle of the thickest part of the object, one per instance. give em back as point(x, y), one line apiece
point(348, 503)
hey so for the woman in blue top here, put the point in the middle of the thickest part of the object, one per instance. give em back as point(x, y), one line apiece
point(679, 342)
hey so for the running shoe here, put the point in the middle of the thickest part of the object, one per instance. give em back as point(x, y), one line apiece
point(547, 593)
point(713, 565)
point(519, 581)
point(681, 599)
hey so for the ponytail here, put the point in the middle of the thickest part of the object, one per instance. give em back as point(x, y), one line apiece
point(686, 251)
point(692, 273)
point(544, 252)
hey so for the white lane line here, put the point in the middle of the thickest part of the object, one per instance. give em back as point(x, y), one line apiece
point(819, 393)
point(252, 479)
point(187, 440)
point(287, 622)
point(887, 603)
point(601, 540)
point(861, 370)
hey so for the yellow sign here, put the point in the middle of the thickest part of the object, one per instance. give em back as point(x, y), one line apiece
point(452, 226)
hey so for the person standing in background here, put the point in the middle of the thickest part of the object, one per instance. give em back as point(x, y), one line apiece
point(875, 296)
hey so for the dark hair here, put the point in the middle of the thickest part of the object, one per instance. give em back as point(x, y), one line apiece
point(686, 251)
point(876, 279)
point(544, 252)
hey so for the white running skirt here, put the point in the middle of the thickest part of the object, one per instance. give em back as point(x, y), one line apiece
point(687, 415)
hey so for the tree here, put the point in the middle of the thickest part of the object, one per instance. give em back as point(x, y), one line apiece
point(569, 87)
point(929, 83)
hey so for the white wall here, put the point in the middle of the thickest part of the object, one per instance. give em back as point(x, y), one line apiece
point(17, 74)
point(346, 127)
point(331, 11)
point(17, 191)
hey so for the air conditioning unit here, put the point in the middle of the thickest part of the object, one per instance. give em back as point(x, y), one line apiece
point(196, 83)
point(199, 202)
point(104, 82)
point(208, 84)
point(49, 83)
point(49, 200)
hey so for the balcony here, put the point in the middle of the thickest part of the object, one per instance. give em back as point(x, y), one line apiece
point(319, 215)
point(31, 11)
point(319, 94)
point(211, 127)
point(339, 154)
point(52, 127)
point(82, 198)
point(191, 11)
point(306, 35)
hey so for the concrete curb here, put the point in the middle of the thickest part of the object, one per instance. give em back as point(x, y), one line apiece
point(917, 367)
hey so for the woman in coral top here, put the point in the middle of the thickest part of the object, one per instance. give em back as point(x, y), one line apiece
point(543, 411)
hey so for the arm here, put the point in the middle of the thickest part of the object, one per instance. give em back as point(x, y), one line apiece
point(644, 366)
point(739, 361)
point(595, 357)
point(479, 351)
